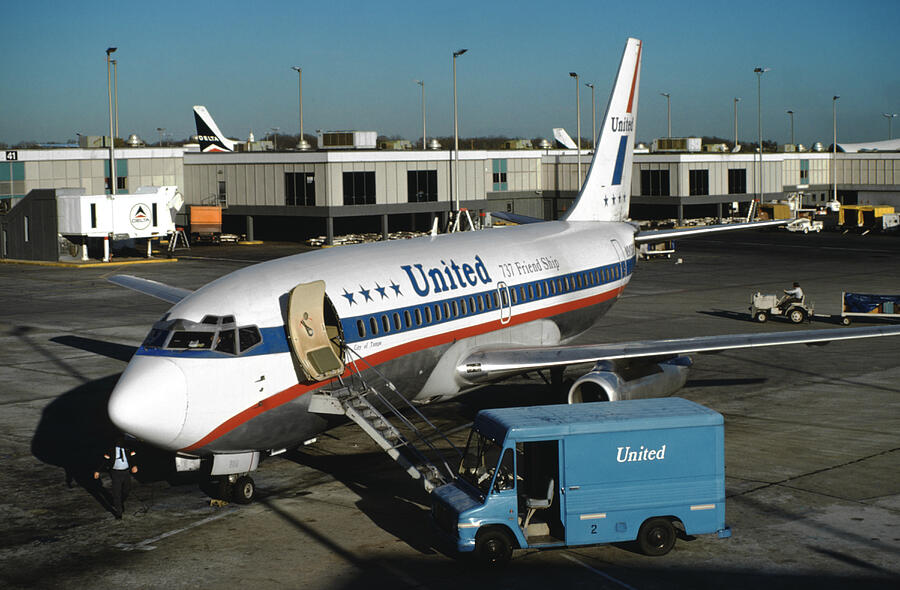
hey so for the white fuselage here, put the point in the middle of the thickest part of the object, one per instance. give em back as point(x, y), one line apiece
point(409, 308)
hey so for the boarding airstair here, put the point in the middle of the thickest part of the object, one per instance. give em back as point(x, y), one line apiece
point(392, 421)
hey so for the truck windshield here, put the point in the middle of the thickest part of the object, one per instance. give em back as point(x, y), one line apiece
point(479, 461)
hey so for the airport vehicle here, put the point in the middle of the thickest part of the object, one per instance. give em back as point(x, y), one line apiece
point(805, 225)
point(271, 355)
point(557, 476)
point(863, 305)
point(764, 306)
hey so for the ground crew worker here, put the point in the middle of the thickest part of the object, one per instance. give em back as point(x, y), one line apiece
point(118, 460)
point(791, 296)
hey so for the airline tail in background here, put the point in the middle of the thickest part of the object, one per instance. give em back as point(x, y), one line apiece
point(208, 134)
point(606, 192)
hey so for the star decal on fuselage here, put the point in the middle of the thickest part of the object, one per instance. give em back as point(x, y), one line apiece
point(365, 293)
point(349, 296)
point(396, 289)
point(381, 291)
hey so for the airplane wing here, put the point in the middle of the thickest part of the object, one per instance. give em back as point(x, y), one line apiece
point(489, 364)
point(662, 235)
point(515, 217)
point(152, 288)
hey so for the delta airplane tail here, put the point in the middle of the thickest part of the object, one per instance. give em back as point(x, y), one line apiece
point(606, 191)
point(208, 134)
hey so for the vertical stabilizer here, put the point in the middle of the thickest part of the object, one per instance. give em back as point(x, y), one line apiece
point(606, 191)
point(208, 134)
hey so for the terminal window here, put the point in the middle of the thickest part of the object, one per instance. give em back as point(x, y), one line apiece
point(655, 183)
point(804, 171)
point(359, 188)
point(499, 175)
point(737, 181)
point(300, 188)
point(421, 185)
point(699, 182)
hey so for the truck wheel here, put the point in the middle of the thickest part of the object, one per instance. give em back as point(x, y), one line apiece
point(761, 317)
point(493, 548)
point(656, 536)
point(244, 490)
point(797, 315)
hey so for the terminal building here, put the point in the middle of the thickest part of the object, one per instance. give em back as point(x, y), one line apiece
point(294, 195)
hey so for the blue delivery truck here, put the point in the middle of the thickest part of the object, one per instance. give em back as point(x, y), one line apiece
point(564, 475)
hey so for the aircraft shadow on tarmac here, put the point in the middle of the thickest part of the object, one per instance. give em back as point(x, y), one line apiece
point(119, 352)
point(75, 430)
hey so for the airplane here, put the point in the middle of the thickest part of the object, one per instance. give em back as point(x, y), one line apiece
point(209, 136)
point(256, 361)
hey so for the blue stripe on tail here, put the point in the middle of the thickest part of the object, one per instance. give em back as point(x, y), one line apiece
point(620, 161)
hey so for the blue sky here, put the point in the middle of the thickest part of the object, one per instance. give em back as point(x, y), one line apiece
point(360, 60)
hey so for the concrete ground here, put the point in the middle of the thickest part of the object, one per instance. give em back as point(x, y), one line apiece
point(812, 444)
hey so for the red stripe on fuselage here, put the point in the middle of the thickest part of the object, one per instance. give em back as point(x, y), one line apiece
point(634, 78)
point(384, 356)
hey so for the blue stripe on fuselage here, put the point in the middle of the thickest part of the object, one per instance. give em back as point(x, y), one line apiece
point(274, 339)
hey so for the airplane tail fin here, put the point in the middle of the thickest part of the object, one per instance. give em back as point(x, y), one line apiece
point(208, 134)
point(606, 192)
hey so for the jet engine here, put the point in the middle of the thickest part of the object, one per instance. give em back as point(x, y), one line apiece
point(615, 380)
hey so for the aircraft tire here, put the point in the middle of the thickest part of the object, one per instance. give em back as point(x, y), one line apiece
point(244, 490)
point(656, 537)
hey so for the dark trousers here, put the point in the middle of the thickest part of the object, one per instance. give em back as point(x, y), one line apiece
point(121, 485)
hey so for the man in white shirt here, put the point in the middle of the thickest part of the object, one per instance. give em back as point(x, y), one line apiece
point(119, 461)
point(791, 295)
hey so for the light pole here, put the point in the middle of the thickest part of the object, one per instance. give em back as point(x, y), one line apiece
point(834, 100)
point(791, 113)
point(424, 142)
point(593, 117)
point(115, 65)
point(578, 124)
point(302, 144)
point(759, 72)
point(736, 100)
point(668, 112)
point(162, 132)
point(112, 141)
point(890, 118)
point(456, 135)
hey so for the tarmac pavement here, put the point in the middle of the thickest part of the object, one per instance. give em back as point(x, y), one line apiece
point(812, 443)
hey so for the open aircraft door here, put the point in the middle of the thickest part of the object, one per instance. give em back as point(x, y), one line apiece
point(315, 332)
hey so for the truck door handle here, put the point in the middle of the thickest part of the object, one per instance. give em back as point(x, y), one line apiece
point(574, 487)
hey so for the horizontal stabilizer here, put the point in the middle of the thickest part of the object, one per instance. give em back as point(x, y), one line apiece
point(151, 288)
point(661, 235)
point(514, 217)
point(490, 364)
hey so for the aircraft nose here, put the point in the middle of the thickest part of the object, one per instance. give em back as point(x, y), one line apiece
point(150, 401)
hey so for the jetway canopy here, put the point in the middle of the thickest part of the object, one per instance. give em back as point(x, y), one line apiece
point(147, 213)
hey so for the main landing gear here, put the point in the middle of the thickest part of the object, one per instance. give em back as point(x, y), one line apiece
point(241, 489)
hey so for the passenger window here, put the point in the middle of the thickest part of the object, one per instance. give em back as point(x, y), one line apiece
point(361, 328)
point(427, 314)
point(192, 340)
point(530, 292)
point(515, 295)
point(408, 318)
point(447, 310)
point(481, 303)
point(418, 314)
point(462, 306)
point(374, 326)
point(437, 313)
point(226, 342)
point(248, 338)
point(385, 324)
point(471, 305)
point(455, 308)
point(506, 474)
point(397, 324)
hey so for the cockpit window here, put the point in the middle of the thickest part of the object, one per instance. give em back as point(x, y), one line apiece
point(226, 342)
point(249, 337)
point(191, 340)
point(217, 333)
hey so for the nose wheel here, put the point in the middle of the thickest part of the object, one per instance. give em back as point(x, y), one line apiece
point(244, 490)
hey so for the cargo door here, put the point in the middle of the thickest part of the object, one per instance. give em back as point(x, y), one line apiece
point(315, 333)
point(541, 485)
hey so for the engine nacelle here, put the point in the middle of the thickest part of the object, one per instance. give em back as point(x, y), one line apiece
point(606, 382)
